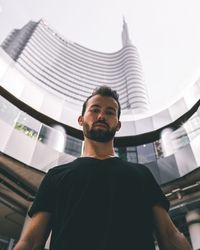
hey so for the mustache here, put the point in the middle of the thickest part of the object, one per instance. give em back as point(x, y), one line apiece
point(100, 122)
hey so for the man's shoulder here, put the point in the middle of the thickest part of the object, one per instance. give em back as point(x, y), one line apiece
point(66, 167)
point(133, 165)
point(136, 168)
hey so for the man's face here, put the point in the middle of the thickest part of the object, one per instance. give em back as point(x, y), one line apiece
point(100, 121)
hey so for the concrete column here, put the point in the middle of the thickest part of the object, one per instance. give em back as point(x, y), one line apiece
point(193, 220)
point(11, 244)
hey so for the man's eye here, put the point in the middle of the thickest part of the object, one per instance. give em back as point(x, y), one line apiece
point(110, 113)
point(95, 110)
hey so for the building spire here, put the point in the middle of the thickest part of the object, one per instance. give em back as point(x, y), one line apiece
point(125, 34)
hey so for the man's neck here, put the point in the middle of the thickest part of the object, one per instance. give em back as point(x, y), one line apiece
point(99, 150)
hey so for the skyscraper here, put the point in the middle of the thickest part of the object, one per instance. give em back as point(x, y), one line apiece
point(72, 71)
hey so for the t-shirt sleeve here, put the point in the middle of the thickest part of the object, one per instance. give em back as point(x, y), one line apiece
point(44, 200)
point(155, 196)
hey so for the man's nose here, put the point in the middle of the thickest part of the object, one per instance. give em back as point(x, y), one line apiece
point(101, 115)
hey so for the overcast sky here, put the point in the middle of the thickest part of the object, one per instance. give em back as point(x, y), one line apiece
point(165, 32)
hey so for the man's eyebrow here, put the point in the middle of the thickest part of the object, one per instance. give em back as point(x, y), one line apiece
point(112, 108)
point(98, 106)
point(95, 105)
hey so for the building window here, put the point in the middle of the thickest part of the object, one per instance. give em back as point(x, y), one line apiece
point(146, 153)
point(73, 146)
point(127, 153)
point(28, 125)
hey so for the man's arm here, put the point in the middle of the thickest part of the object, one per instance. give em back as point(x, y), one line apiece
point(36, 234)
point(168, 236)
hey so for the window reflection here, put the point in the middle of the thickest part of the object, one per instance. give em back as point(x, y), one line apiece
point(26, 130)
point(28, 125)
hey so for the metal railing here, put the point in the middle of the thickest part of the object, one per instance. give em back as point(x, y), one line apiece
point(7, 244)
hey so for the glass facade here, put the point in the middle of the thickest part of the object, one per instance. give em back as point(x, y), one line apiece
point(48, 140)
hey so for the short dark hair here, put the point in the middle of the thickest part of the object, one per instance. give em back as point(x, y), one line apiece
point(103, 91)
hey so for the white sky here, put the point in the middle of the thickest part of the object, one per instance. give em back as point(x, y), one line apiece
point(165, 32)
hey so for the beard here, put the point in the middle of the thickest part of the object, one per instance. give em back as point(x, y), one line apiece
point(99, 135)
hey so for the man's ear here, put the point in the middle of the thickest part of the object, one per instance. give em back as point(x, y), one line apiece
point(80, 120)
point(118, 125)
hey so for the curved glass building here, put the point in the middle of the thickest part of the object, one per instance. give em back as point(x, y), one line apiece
point(71, 71)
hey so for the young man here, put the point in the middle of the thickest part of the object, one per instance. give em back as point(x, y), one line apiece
point(98, 201)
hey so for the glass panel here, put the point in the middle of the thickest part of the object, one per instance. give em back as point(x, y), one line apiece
point(132, 154)
point(8, 112)
point(146, 153)
point(178, 109)
point(192, 127)
point(161, 119)
point(73, 146)
point(53, 137)
point(144, 125)
point(127, 128)
point(43, 134)
point(179, 138)
point(121, 152)
point(28, 125)
point(127, 153)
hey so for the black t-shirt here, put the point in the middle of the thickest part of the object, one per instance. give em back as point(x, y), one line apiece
point(100, 205)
